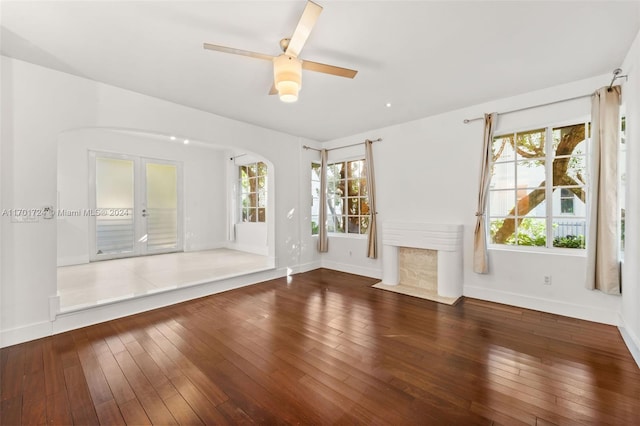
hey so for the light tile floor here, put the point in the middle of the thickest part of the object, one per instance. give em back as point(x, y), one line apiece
point(423, 293)
point(110, 280)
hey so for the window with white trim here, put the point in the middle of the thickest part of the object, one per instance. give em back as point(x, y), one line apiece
point(253, 192)
point(622, 169)
point(347, 200)
point(315, 198)
point(537, 176)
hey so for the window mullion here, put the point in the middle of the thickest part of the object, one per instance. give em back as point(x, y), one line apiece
point(548, 196)
point(516, 214)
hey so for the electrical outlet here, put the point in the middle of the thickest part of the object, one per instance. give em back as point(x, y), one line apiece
point(547, 280)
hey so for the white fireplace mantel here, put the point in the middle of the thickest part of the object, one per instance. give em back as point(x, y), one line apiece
point(446, 239)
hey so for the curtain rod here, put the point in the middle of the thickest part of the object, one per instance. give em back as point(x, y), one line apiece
point(469, 120)
point(616, 75)
point(340, 147)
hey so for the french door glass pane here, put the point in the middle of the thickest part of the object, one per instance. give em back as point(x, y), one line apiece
point(114, 203)
point(162, 206)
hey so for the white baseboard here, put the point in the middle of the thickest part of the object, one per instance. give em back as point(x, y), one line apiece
point(209, 246)
point(352, 269)
point(306, 267)
point(263, 251)
point(73, 260)
point(545, 305)
point(24, 334)
point(631, 340)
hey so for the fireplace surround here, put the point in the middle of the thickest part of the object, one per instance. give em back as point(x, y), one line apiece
point(446, 239)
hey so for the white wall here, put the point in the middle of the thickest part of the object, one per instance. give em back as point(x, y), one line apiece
point(203, 185)
point(40, 104)
point(427, 171)
point(631, 267)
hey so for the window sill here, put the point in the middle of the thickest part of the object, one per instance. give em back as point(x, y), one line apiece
point(336, 235)
point(540, 250)
point(346, 235)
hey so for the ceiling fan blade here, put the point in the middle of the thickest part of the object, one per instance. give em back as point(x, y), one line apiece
point(225, 49)
point(273, 90)
point(305, 25)
point(328, 69)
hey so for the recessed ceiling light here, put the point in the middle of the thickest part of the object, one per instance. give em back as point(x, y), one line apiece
point(388, 105)
point(173, 138)
point(186, 141)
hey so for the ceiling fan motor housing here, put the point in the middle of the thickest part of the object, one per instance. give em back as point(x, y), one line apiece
point(287, 71)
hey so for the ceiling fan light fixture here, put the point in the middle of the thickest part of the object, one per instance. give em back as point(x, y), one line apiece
point(287, 72)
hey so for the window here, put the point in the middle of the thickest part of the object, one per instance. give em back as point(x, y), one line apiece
point(347, 201)
point(622, 170)
point(253, 192)
point(538, 190)
point(566, 201)
point(315, 198)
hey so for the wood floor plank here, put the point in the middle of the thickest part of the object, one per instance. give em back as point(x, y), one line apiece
point(33, 386)
point(325, 348)
point(234, 414)
point(108, 413)
point(82, 407)
point(96, 380)
point(34, 401)
point(156, 409)
point(12, 384)
point(58, 409)
point(33, 357)
point(133, 413)
point(345, 409)
point(64, 346)
point(246, 393)
point(117, 381)
point(202, 405)
point(53, 371)
point(11, 411)
point(181, 411)
point(133, 374)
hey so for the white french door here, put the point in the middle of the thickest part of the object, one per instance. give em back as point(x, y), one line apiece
point(136, 206)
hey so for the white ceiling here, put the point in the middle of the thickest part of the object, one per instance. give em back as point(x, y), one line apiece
point(424, 57)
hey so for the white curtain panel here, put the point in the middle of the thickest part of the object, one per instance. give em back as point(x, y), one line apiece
point(480, 256)
point(372, 242)
point(603, 264)
point(323, 240)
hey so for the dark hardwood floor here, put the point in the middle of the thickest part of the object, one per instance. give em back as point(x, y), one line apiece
point(324, 348)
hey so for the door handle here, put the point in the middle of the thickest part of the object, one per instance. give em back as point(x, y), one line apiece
point(144, 213)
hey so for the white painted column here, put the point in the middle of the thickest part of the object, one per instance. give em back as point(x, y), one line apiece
point(390, 265)
point(450, 273)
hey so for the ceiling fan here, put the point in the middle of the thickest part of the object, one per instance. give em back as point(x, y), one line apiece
point(287, 67)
